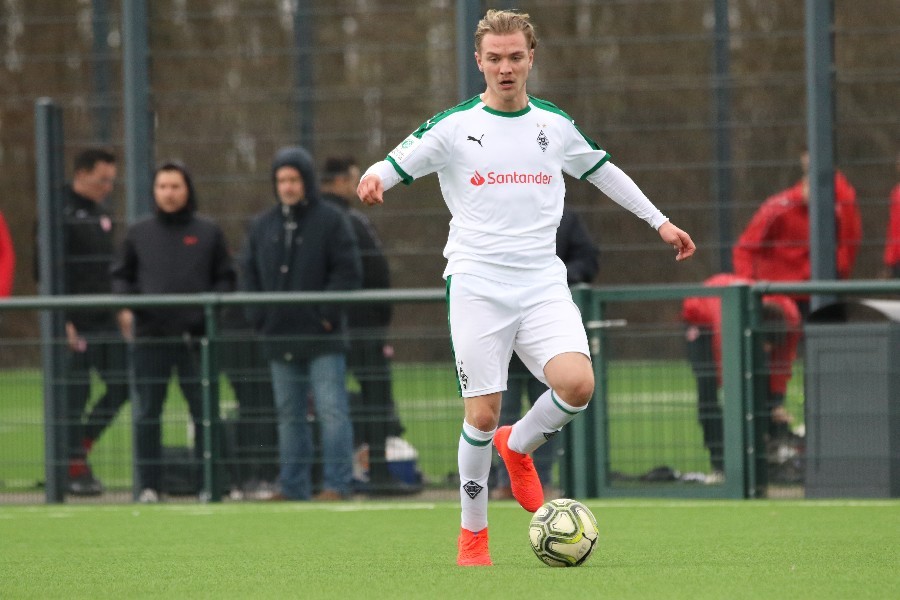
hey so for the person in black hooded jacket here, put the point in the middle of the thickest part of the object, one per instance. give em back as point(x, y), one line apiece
point(171, 252)
point(304, 244)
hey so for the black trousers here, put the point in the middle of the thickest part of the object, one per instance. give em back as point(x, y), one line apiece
point(155, 360)
point(709, 411)
point(373, 411)
point(107, 356)
point(244, 362)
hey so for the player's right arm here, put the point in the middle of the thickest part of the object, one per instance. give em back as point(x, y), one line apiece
point(371, 188)
point(377, 179)
point(424, 151)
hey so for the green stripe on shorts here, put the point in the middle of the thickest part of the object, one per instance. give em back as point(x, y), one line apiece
point(449, 329)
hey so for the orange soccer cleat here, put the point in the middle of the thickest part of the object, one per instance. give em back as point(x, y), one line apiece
point(524, 480)
point(473, 549)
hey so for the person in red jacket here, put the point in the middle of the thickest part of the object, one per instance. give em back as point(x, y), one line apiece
point(7, 259)
point(703, 318)
point(775, 244)
point(892, 240)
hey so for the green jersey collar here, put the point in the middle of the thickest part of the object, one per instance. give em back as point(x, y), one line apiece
point(501, 113)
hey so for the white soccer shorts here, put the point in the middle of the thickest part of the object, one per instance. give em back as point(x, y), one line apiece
point(489, 319)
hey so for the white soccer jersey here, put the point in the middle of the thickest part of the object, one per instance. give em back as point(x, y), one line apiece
point(501, 175)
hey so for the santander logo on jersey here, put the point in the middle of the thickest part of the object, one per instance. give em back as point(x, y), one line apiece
point(494, 178)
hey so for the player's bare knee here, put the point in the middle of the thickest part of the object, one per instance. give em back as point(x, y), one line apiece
point(581, 393)
point(577, 391)
point(483, 422)
point(482, 418)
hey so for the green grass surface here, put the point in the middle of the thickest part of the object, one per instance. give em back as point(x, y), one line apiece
point(372, 550)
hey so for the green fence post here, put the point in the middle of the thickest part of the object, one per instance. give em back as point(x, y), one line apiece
point(49, 179)
point(737, 410)
point(211, 422)
point(579, 481)
point(599, 409)
point(756, 400)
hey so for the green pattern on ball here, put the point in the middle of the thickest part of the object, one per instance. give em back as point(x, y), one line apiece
point(563, 533)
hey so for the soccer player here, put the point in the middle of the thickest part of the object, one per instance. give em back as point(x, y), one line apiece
point(500, 157)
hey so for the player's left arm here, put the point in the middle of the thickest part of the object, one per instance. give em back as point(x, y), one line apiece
point(613, 182)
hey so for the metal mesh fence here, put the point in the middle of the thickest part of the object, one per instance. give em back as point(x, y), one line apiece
point(637, 75)
point(665, 419)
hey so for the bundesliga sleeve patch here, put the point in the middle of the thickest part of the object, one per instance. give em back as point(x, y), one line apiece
point(405, 149)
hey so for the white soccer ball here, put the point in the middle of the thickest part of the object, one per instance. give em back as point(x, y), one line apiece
point(563, 533)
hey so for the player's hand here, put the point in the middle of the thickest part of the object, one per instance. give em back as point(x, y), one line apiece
point(76, 342)
point(125, 319)
point(370, 190)
point(678, 239)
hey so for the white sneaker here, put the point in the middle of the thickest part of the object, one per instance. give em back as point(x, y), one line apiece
point(148, 496)
point(264, 491)
point(714, 478)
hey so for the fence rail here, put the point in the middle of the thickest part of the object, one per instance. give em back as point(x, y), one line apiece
point(644, 415)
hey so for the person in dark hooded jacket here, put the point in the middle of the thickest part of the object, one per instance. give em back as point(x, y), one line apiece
point(173, 251)
point(304, 244)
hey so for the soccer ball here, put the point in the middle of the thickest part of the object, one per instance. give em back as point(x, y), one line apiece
point(563, 533)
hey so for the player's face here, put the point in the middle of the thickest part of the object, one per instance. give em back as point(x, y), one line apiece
point(289, 185)
point(170, 191)
point(505, 61)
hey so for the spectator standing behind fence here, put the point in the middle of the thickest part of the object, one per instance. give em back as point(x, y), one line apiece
point(781, 334)
point(304, 244)
point(7, 259)
point(254, 456)
point(775, 244)
point(373, 410)
point(173, 251)
point(94, 342)
point(576, 249)
point(892, 239)
point(500, 158)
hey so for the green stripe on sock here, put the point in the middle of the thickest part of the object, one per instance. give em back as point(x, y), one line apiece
point(560, 406)
point(475, 442)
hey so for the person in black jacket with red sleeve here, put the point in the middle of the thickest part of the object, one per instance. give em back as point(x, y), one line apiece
point(96, 351)
point(304, 244)
point(171, 252)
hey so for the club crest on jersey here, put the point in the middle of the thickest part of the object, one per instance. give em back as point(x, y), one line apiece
point(405, 148)
point(543, 141)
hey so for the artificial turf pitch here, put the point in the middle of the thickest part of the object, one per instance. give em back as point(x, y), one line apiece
point(648, 549)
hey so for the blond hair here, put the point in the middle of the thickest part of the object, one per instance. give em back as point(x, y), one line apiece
point(502, 22)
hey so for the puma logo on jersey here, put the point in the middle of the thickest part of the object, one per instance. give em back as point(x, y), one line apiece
point(475, 139)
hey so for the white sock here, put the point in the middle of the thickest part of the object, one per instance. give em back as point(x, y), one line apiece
point(543, 420)
point(474, 468)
